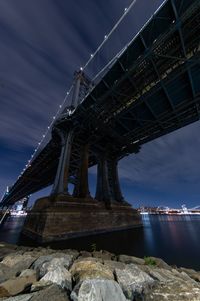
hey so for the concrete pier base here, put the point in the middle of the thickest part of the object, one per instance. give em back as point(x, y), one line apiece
point(68, 217)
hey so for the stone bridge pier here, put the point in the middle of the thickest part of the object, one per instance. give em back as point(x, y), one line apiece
point(63, 215)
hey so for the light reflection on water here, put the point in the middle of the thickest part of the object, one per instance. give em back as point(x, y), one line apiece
point(173, 238)
point(10, 230)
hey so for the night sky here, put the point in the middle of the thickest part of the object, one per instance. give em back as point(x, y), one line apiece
point(42, 43)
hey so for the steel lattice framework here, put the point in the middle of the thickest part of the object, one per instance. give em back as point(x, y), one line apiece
point(152, 89)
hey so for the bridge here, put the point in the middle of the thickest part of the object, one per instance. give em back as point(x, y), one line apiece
point(150, 89)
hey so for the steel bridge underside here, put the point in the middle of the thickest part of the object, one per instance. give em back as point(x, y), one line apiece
point(152, 89)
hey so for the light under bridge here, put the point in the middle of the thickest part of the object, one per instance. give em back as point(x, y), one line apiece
point(151, 89)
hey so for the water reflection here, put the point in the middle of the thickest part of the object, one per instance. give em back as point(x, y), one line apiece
point(173, 238)
point(10, 230)
point(149, 240)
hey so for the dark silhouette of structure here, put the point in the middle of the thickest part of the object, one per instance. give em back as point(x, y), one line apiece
point(151, 89)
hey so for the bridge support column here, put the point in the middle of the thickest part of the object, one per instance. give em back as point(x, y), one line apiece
point(102, 189)
point(61, 180)
point(81, 188)
point(114, 180)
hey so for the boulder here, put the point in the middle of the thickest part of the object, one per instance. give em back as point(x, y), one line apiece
point(5, 252)
point(72, 252)
point(5, 272)
point(133, 281)
point(131, 259)
point(104, 255)
point(24, 297)
point(40, 285)
point(54, 264)
point(60, 276)
point(86, 269)
point(164, 275)
point(173, 291)
point(18, 262)
point(192, 273)
point(61, 259)
point(85, 254)
point(13, 259)
point(89, 259)
point(29, 273)
point(17, 285)
point(112, 264)
point(98, 290)
point(51, 293)
point(160, 263)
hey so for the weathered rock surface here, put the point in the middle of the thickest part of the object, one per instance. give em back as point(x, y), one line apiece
point(44, 274)
point(57, 259)
point(89, 259)
point(52, 293)
point(18, 259)
point(160, 263)
point(191, 273)
point(133, 281)
point(60, 276)
point(130, 259)
point(24, 297)
point(16, 285)
point(5, 272)
point(83, 270)
point(17, 263)
point(40, 285)
point(173, 291)
point(104, 255)
point(98, 290)
point(85, 254)
point(112, 264)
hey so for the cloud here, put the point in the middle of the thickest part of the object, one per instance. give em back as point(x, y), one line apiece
point(42, 44)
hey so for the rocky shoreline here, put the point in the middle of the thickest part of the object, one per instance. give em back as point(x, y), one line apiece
point(45, 274)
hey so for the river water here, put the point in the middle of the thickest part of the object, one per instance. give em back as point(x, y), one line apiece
point(176, 239)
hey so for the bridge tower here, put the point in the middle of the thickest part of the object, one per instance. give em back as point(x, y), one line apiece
point(61, 215)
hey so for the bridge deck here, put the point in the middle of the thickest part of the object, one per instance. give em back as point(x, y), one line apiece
point(152, 89)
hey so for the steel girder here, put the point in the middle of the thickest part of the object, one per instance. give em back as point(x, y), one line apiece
point(150, 90)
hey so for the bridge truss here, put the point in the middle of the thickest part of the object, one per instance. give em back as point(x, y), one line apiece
point(152, 89)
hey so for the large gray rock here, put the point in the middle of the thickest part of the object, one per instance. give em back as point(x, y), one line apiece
point(59, 259)
point(6, 272)
point(104, 255)
point(130, 259)
point(6, 251)
point(18, 262)
point(72, 252)
point(13, 259)
point(85, 254)
point(85, 269)
point(40, 285)
point(60, 276)
point(98, 290)
point(174, 291)
point(24, 297)
point(160, 263)
point(16, 285)
point(52, 293)
point(191, 273)
point(133, 281)
point(95, 259)
point(112, 264)
point(28, 273)
point(164, 275)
